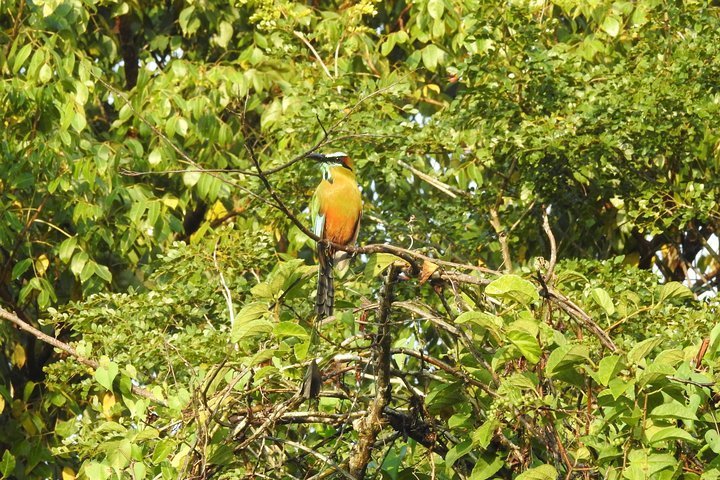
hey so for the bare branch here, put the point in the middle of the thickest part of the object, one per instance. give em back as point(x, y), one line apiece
point(276, 414)
point(426, 434)
point(443, 187)
point(502, 238)
point(225, 289)
point(279, 204)
point(370, 425)
point(553, 246)
point(314, 453)
point(444, 367)
point(579, 314)
point(312, 49)
point(88, 362)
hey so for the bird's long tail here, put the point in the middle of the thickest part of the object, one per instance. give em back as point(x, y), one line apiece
point(325, 299)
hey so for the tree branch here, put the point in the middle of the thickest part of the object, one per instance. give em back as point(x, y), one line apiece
point(312, 49)
point(443, 187)
point(502, 238)
point(424, 433)
point(369, 426)
point(88, 362)
point(553, 246)
point(579, 314)
point(315, 453)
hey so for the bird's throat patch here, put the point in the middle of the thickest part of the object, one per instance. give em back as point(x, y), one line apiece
point(326, 174)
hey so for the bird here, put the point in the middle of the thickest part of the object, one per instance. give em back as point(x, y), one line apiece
point(336, 211)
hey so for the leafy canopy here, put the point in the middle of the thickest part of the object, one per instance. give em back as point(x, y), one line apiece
point(136, 231)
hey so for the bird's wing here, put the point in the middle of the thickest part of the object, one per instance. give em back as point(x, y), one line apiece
point(317, 216)
point(357, 228)
point(319, 225)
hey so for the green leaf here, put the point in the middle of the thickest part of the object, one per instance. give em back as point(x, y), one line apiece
point(45, 73)
point(611, 25)
point(66, 249)
point(543, 472)
point(155, 156)
point(380, 262)
point(106, 373)
point(458, 451)
point(673, 409)
point(643, 465)
point(512, 287)
point(486, 321)
point(714, 346)
point(220, 454)
point(566, 356)
point(642, 349)
point(78, 262)
point(225, 31)
point(571, 276)
point(674, 290)
point(163, 449)
point(301, 350)
point(96, 471)
point(249, 322)
point(139, 470)
point(526, 343)
point(618, 386)
point(7, 464)
point(103, 272)
point(87, 271)
point(388, 45)
point(608, 368)
point(20, 57)
point(21, 267)
point(290, 329)
point(432, 56)
point(125, 112)
point(671, 433)
point(602, 298)
point(483, 435)
point(486, 466)
point(436, 8)
point(712, 438)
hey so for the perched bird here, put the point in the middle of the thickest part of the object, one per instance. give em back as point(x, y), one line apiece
point(336, 210)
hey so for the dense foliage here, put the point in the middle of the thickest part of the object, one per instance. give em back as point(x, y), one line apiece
point(145, 147)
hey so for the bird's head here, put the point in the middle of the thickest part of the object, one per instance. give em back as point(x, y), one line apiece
point(337, 159)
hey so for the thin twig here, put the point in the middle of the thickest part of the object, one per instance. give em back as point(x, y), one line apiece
point(277, 413)
point(312, 49)
point(444, 367)
point(315, 453)
point(443, 187)
point(225, 289)
point(553, 246)
point(502, 238)
point(569, 307)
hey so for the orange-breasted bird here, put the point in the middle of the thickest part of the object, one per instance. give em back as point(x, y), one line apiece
point(336, 210)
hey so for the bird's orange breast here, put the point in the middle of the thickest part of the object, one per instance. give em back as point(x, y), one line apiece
point(341, 205)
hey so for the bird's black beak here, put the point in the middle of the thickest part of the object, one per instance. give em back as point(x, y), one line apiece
point(317, 156)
